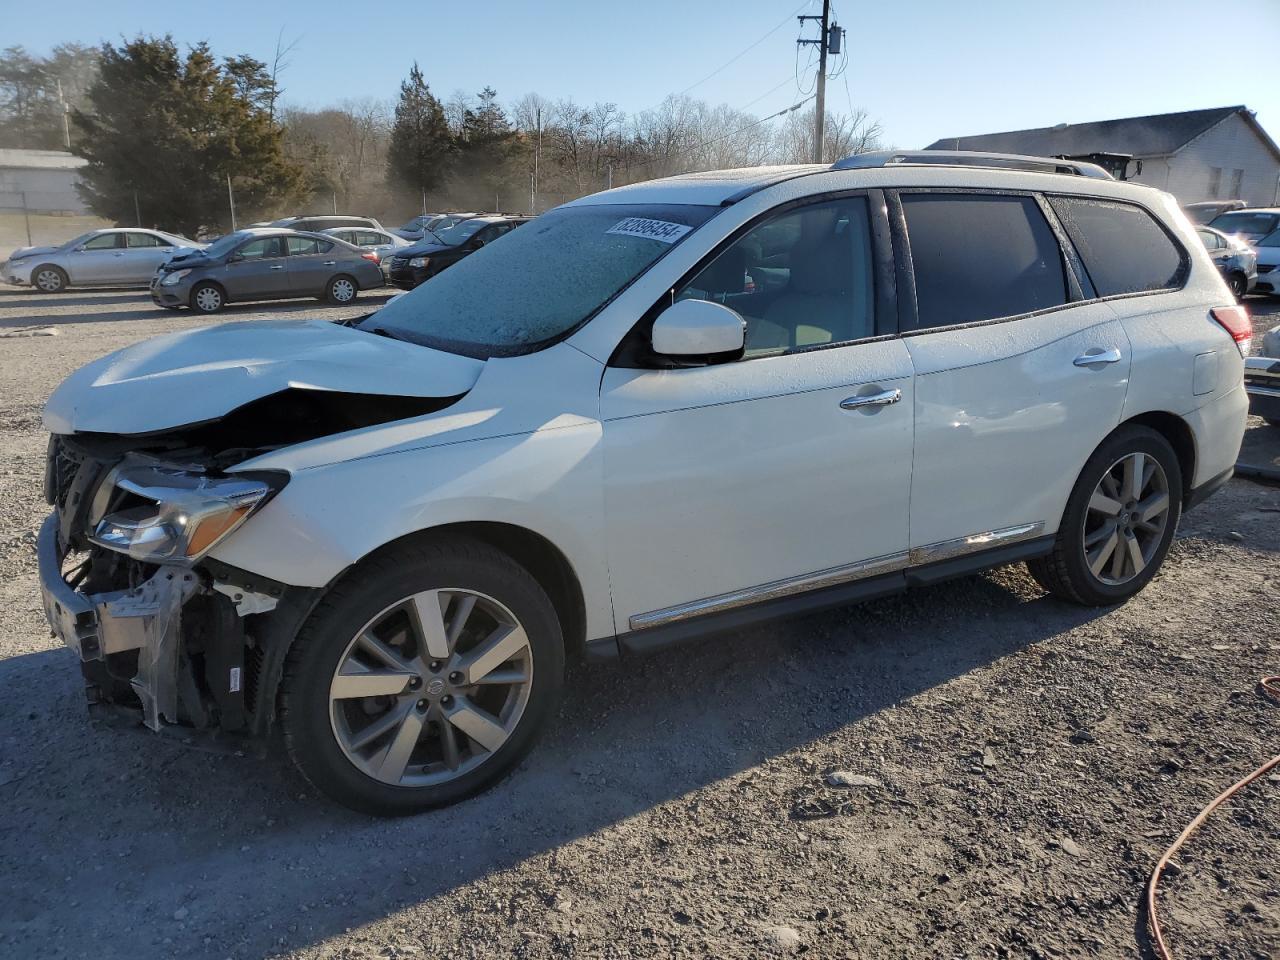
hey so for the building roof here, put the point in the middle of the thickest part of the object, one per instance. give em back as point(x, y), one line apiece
point(40, 160)
point(1154, 136)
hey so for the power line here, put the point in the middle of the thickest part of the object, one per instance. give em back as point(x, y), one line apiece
point(773, 116)
point(743, 108)
point(741, 54)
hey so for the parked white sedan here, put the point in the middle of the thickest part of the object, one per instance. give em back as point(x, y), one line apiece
point(100, 258)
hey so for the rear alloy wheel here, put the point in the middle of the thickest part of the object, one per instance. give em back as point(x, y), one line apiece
point(207, 298)
point(341, 290)
point(422, 678)
point(49, 279)
point(1119, 521)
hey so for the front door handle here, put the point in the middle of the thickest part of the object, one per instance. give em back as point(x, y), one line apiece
point(1098, 356)
point(331, 263)
point(881, 399)
point(276, 266)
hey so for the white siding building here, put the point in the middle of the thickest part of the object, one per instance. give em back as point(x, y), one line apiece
point(1218, 154)
point(42, 180)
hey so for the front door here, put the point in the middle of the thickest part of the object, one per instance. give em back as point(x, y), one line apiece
point(98, 260)
point(787, 469)
point(1017, 379)
point(258, 271)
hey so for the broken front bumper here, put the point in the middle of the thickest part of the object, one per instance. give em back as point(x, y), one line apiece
point(146, 619)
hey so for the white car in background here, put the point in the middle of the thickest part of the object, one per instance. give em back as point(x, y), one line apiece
point(669, 410)
point(382, 242)
point(99, 258)
point(1268, 252)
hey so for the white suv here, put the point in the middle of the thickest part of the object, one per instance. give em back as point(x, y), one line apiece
point(667, 410)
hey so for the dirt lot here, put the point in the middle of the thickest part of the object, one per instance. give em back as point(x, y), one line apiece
point(1030, 761)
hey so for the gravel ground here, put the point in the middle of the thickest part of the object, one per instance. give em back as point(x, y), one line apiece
point(1018, 765)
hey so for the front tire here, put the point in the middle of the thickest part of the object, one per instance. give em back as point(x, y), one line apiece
point(207, 298)
point(341, 290)
point(48, 278)
point(1119, 521)
point(1239, 285)
point(422, 678)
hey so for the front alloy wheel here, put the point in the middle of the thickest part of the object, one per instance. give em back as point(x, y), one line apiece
point(422, 677)
point(49, 279)
point(431, 687)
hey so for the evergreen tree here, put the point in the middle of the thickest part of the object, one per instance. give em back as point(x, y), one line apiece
point(171, 129)
point(421, 153)
point(491, 154)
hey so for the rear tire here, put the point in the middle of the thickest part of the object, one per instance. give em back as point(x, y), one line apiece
point(1239, 285)
point(432, 740)
point(342, 290)
point(207, 298)
point(1119, 521)
point(48, 278)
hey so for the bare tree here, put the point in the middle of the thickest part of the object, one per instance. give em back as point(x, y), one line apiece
point(279, 64)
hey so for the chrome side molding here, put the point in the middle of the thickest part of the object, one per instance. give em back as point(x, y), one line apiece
point(834, 576)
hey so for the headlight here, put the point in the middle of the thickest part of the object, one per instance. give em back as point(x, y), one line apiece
point(171, 279)
point(163, 513)
point(25, 256)
point(419, 261)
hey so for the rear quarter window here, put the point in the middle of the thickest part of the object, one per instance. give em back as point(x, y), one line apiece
point(1123, 248)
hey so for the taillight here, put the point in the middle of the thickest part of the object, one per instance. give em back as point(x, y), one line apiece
point(1235, 320)
point(370, 255)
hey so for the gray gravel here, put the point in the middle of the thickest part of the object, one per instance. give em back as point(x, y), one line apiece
point(973, 770)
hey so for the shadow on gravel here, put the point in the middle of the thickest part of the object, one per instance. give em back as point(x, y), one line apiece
point(118, 845)
point(149, 311)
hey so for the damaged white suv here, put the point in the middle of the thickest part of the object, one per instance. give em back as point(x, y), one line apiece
point(670, 409)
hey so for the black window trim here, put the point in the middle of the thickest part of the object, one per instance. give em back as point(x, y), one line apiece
point(1076, 282)
point(1184, 268)
point(633, 350)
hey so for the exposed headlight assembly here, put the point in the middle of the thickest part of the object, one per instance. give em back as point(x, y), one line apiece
point(158, 512)
point(419, 261)
point(171, 279)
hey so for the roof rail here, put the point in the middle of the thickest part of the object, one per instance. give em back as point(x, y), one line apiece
point(965, 158)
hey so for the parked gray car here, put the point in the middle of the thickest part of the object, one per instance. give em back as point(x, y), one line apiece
point(1235, 260)
point(381, 242)
point(99, 258)
point(266, 264)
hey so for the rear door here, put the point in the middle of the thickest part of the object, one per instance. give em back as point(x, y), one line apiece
point(257, 271)
point(1017, 376)
point(144, 252)
point(311, 263)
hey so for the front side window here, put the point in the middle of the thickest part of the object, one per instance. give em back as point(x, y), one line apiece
point(263, 248)
point(542, 282)
point(802, 279)
point(981, 257)
point(1123, 248)
point(105, 241)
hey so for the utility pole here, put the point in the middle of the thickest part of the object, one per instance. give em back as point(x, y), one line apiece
point(828, 42)
point(231, 200)
point(537, 156)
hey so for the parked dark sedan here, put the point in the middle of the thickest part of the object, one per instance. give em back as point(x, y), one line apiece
point(411, 266)
point(1234, 259)
point(266, 264)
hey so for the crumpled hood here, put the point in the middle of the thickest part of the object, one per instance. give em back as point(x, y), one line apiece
point(29, 251)
point(199, 375)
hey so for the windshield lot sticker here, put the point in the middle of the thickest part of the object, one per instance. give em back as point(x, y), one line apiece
point(658, 230)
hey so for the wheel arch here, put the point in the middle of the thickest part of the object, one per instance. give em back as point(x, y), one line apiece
point(209, 282)
point(1180, 436)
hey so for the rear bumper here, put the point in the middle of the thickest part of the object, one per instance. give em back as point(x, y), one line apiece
point(1262, 383)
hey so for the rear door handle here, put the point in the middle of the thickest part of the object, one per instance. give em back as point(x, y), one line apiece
point(331, 263)
point(882, 399)
point(276, 266)
point(1098, 356)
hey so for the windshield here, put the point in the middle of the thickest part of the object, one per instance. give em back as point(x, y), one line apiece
point(84, 237)
point(539, 283)
point(1253, 226)
point(460, 232)
point(225, 244)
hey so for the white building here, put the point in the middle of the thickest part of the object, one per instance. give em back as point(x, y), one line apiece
point(1218, 154)
point(44, 181)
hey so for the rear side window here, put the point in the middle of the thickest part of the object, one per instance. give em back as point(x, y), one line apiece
point(1122, 246)
point(980, 257)
point(303, 246)
point(146, 240)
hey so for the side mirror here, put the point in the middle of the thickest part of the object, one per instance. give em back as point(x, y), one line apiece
point(235, 257)
point(477, 243)
point(699, 329)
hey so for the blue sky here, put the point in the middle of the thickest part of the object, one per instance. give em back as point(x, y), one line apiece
point(924, 68)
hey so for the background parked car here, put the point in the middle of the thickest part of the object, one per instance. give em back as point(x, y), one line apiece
point(381, 242)
point(422, 226)
point(1234, 259)
point(317, 223)
point(1267, 250)
point(100, 258)
point(266, 264)
point(1207, 210)
point(415, 264)
point(1249, 225)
